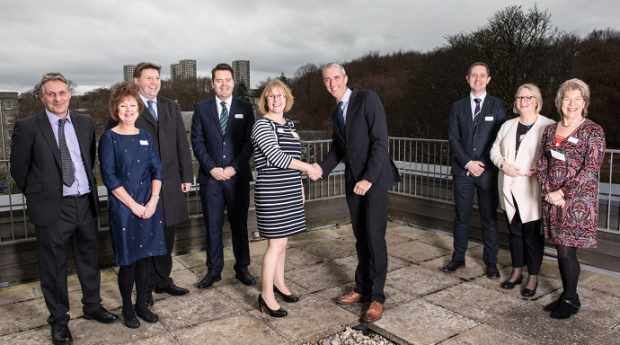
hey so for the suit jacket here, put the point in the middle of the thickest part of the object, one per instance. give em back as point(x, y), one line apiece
point(525, 189)
point(170, 140)
point(365, 151)
point(37, 169)
point(216, 150)
point(468, 144)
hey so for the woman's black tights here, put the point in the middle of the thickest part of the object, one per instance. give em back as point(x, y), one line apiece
point(138, 272)
point(569, 269)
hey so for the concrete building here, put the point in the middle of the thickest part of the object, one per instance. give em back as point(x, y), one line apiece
point(242, 72)
point(128, 73)
point(183, 70)
point(9, 109)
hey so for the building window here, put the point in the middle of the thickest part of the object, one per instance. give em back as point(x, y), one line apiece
point(8, 105)
point(9, 119)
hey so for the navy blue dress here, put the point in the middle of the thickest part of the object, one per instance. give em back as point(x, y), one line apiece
point(131, 161)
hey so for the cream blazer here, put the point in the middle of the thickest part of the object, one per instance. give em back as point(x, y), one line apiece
point(525, 189)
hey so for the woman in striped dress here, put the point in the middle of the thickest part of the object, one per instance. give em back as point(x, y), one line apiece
point(278, 195)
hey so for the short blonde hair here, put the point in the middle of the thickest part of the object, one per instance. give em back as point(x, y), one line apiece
point(535, 92)
point(276, 83)
point(572, 85)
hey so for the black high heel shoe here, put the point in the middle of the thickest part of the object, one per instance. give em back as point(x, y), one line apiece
point(287, 298)
point(275, 313)
point(511, 285)
point(529, 293)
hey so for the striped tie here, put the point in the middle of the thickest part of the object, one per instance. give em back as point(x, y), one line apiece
point(476, 111)
point(152, 109)
point(224, 117)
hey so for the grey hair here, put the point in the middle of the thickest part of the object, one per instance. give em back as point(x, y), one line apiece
point(333, 64)
point(52, 77)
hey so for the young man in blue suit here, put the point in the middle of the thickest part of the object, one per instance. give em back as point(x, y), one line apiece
point(221, 137)
point(474, 123)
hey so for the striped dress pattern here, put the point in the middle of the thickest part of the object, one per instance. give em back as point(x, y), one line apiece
point(277, 195)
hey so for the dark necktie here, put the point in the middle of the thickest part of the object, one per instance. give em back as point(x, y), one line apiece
point(152, 110)
point(340, 118)
point(68, 176)
point(476, 111)
point(224, 117)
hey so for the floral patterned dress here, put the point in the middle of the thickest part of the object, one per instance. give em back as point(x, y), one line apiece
point(583, 151)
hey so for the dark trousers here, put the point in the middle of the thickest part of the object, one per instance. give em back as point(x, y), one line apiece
point(527, 244)
point(214, 195)
point(77, 225)
point(369, 221)
point(464, 189)
point(161, 265)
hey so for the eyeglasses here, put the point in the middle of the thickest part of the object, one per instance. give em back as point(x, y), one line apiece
point(274, 97)
point(524, 98)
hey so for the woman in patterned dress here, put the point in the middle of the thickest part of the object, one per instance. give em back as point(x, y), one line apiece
point(132, 173)
point(570, 157)
point(278, 194)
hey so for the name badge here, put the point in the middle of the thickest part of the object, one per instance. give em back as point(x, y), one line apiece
point(144, 142)
point(295, 135)
point(573, 140)
point(488, 118)
point(557, 155)
point(280, 130)
point(238, 116)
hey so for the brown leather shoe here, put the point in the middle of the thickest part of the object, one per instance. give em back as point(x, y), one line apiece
point(351, 297)
point(374, 312)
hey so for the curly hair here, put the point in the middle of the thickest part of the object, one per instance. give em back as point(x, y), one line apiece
point(122, 91)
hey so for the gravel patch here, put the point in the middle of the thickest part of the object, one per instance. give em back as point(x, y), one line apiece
point(352, 336)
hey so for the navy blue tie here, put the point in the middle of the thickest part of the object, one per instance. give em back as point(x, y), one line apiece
point(476, 111)
point(340, 118)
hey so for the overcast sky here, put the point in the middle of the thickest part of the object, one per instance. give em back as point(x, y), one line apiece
point(90, 41)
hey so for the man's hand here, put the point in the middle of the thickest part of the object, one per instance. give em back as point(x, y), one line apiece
point(475, 168)
point(362, 187)
point(185, 187)
point(219, 175)
point(318, 172)
point(230, 171)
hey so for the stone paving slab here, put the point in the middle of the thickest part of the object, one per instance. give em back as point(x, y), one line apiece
point(237, 330)
point(596, 306)
point(18, 317)
point(393, 298)
point(246, 297)
point(20, 293)
point(503, 256)
point(474, 301)
point(419, 322)
point(602, 283)
point(409, 232)
point(309, 319)
point(110, 296)
point(444, 242)
point(161, 339)
point(418, 281)
point(321, 276)
point(351, 263)
point(93, 332)
point(329, 249)
point(530, 321)
point(608, 339)
point(486, 335)
point(545, 284)
point(416, 251)
point(39, 336)
point(473, 267)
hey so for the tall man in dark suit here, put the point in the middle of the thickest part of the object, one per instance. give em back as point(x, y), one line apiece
point(52, 161)
point(221, 138)
point(474, 123)
point(360, 139)
point(162, 119)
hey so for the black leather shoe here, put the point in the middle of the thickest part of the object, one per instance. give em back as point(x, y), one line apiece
point(529, 293)
point(173, 290)
point(149, 299)
point(508, 285)
point(492, 271)
point(287, 298)
point(275, 313)
point(131, 323)
point(61, 335)
point(150, 318)
point(553, 305)
point(101, 315)
point(246, 278)
point(208, 280)
point(566, 309)
point(453, 266)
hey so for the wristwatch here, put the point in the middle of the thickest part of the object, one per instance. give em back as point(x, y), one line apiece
point(501, 166)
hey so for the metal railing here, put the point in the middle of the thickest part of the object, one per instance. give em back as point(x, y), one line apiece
point(424, 166)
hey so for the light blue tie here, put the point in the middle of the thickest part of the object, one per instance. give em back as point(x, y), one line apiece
point(224, 117)
point(152, 110)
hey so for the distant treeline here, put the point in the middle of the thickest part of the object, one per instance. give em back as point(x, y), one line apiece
point(418, 89)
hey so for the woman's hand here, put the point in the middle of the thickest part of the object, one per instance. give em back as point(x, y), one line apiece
point(137, 209)
point(511, 170)
point(531, 173)
point(150, 208)
point(555, 198)
point(303, 194)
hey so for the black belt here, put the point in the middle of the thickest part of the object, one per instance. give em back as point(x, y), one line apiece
point(75, 196)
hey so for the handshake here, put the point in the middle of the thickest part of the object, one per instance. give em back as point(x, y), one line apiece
point(315, 172)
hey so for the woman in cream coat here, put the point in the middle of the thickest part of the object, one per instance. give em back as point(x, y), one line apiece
point(515, 152)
